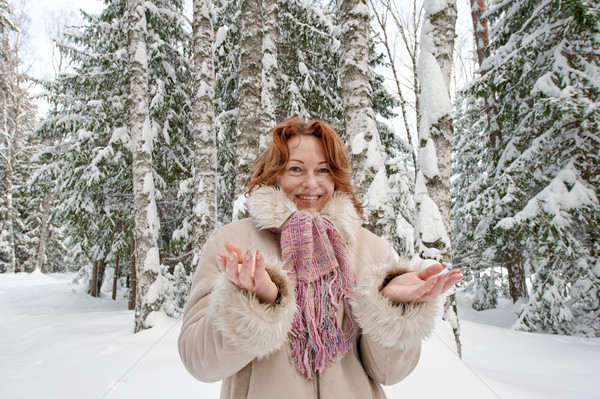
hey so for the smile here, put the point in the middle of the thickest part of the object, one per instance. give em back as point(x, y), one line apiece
point(308, 197)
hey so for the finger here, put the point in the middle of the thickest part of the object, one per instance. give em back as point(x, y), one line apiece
point(260, 274)
point(431, 271)
point(453, 277)
point(232, 268)
point(245, 277)
point(435, 289)
point(221, 261)
point(231, 247)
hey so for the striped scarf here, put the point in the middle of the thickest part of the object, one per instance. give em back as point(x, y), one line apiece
point(314, 251)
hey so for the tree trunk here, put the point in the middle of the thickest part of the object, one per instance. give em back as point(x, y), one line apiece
point(132, 279)
point(101, 273)
point(515, 267)
point(115, 279)
point(249, 117)
point(357, 98)
point(41, 253)
point(94, 281)
point(432, 191)
point(482, 40)
point(146, 227)
point(8, 155)
point(269, 70)
point(205, 158)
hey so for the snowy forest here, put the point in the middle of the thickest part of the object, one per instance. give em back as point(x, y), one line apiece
point(484, 158)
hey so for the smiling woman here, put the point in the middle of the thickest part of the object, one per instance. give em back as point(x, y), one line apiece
point(316, 299)
point(306, 178)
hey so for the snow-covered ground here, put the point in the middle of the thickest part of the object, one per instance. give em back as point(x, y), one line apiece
point(58, 342)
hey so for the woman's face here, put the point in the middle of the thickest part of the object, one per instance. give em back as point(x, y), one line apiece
point(306, 177)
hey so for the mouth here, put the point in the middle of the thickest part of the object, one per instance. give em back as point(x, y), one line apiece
point(308, 197)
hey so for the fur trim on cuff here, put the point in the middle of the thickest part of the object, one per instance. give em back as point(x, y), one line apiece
point(259, 328)
point(388, 324)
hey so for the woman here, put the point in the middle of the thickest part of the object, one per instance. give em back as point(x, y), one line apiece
point(298, 300)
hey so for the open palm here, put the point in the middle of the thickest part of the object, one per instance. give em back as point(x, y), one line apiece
point(423, 286)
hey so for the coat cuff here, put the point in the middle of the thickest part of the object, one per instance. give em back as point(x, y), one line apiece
point(259, 328)
point(386, 323)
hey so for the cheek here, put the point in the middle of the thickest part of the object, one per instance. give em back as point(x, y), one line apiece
point(285, 183)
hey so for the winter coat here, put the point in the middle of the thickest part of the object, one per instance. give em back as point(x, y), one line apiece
point(227, 334)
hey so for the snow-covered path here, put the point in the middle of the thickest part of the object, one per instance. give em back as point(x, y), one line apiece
point(58, 342)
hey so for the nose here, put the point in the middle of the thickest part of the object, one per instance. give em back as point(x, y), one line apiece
point(310, 180)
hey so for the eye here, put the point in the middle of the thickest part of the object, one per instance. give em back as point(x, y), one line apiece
point(323, 170)
point(295, 169)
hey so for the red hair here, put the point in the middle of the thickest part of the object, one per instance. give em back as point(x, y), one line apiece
point(271, 163)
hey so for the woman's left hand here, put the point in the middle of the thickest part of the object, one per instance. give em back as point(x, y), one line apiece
point(423, 286)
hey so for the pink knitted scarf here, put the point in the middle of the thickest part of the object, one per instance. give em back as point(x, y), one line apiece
point(315, 252)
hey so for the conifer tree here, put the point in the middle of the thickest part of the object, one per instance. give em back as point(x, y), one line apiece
point(534, 210)
point(92, 161)
point(17, 120)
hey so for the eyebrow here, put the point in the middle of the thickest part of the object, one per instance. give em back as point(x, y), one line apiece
point(299, 161)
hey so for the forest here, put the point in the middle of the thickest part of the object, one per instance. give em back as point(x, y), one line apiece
point(485, 159)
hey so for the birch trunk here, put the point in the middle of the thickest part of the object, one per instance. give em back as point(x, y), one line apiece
point(249, 120)
point(432, 191)
point(205, 159)
point(357, 99)
point(146, 225)
point(269, 71)
point(11, 135)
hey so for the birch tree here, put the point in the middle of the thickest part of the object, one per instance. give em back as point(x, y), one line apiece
point(432, 191)
point(146, 217)
point(357, 101)
point(203, 115)
point(270, 34)
point(249, 117)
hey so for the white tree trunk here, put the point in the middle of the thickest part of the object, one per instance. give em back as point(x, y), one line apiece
point(7, 156)
point(432, 191)
point(357, 99)
point(249, 118)
point(269, 70)
point(146, 226)
point(205, 158)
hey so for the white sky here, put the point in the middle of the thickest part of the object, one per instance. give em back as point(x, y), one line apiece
point(42, 14)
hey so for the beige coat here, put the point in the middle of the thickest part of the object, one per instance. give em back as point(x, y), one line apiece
point(228, 335)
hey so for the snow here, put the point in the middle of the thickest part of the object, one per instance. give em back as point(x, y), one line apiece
point(58, 342)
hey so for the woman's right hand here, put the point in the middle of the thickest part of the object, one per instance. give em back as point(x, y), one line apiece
point(247, 272)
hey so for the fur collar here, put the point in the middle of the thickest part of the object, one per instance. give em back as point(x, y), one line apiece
point(270, 207)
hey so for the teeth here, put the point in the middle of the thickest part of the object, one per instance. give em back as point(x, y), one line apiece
point(308, 197)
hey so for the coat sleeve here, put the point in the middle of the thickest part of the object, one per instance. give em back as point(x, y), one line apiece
point(224, 328)
point(391, 335)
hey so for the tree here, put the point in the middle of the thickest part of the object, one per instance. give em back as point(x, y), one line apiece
point(432, 191)
point(269, 70)
point(146, 223)
point(17, 120)
point(523, 210)
point(357, 98)
point(203, 115)
point(249, 113)
point(91, 162)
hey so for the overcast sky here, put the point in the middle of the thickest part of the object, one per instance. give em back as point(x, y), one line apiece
point(42, 14)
